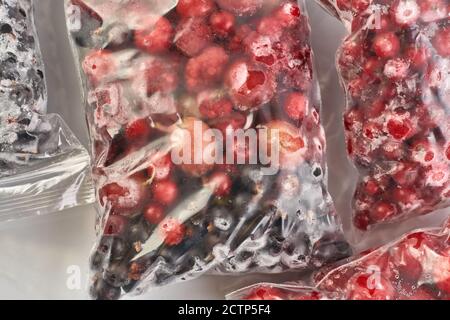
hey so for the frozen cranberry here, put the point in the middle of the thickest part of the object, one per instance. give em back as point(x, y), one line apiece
point(405, 12)
point(406, 174)
point(236, 43)
point(386, 45)
point(241, 7)
point(288, 140)
point(216, 108)
point(370, 287)
point(161, 168)
point(155, 75)
point(399, 128)
point(222, 183)
point(155, 36)
point(206, 69)
point(404, 195)
point(138, 130)
point(289, 14)
point(271, 27)
point(165, 192)
point(362, 220)
point(353, 118)
point(432, 10)
point(422, 151)
point(231, 122)
point(250, 86)
point(372, 66)
point(115, 225)
point(154, 214)
point(192, 36)
point(360, 5)
point(265, 293)
point(173, 231)
point(99, 66)
point(382, 211)
point(396, 69)
point(418, 57)
point(194, 8)
point(350, 52)
point(356, 87)
point(441, 271)
point(441, 41)
point(222, 23)
point(296, 105)
point(125, 197)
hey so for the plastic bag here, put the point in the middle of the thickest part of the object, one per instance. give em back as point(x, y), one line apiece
point(416, 267)
point(395, 69)
point(43, 167)
point(158, 75)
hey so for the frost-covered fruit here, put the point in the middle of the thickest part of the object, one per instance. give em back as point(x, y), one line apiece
point(250, 86)
point(154, 214)
point(173, 231)
point(99, 66)
point(296, 105)
point(161, 168)
point(194, 8)
point(192, 36)
point(138, 130)
point(386, 45)
point(164, 192)
point(222, 23)
point(160, 76)
point(214, 108)
point(154, 35)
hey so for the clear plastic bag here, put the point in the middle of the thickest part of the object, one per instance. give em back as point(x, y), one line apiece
point(395, 68)
point(154, 72)
point(43, 167)
point(416, 267)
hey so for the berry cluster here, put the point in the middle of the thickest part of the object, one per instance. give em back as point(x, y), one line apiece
point(222, 65)
point(417, 267)
point(395, 67)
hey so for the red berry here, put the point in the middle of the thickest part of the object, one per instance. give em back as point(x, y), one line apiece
point(396, 69)
point(173, 231)
point(125, 197)
point(154, 35)
point(99, 66)
point(405, 12)
point(192, 36)
point(241, 7)
point(271, 27)
point(159, 76)
point(265, 293)
point(222, 23)
point(372, 66)
point(161, 168)
point(370, 287)
point(296, 106)
point(398, 128)
point(441, 271)
point(250, 86)
point(441, 41)
point(353, 119)
point(233, 122)
point(138, 130)
point(422, 151)
point(165, 192)
point(386, 45)
point(115, 225)
point(418, 57)
point(382, 211)
point(405, 196)
point(360, 5)
point(216, 108)
point(194, 8)
point(406, 174)
point(289, 14)
point(154, 214)
point(206, 69)
point(362, 220)
point(222, 183)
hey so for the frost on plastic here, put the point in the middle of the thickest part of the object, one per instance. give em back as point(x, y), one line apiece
point(395, 68)
point(43, 168)
point(156, 72)
point(416, 267)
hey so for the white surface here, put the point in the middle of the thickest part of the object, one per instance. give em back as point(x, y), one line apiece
point(37, 254)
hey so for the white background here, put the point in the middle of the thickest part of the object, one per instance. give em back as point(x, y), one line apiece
point(37, 253)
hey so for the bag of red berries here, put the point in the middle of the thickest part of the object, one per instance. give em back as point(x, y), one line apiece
point(208, 149)
point(416, 267)
point(395, 68)
point(43, 166)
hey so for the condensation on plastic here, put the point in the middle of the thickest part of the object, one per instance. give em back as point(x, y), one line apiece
point(415, 267)
point(397, 119)
point(267, 224)
point(43, 167)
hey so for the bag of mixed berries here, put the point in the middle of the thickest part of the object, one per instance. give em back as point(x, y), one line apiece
point(416, 267)
point(395, 67)
point(43, 167)
point(209, 155)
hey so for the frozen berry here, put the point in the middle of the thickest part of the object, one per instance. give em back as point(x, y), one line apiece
point(155, 35)
point(432, 10)
point(161, 168)
point(99, 66)
point(216, 108)
point(441, 41)
point(296, 106)
point(165, 192)
point(154, 214)
point(396, 69)
point(222, 23)
point(418, 56)
point(173, 231)
point(250, 86)
point(192, 36)
point(194, 8)
point(382, 211)
point(206, 69)
point(386, 45)
point(289, 14)
point(399, 128)
point(138, 130)
point(405, 12)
